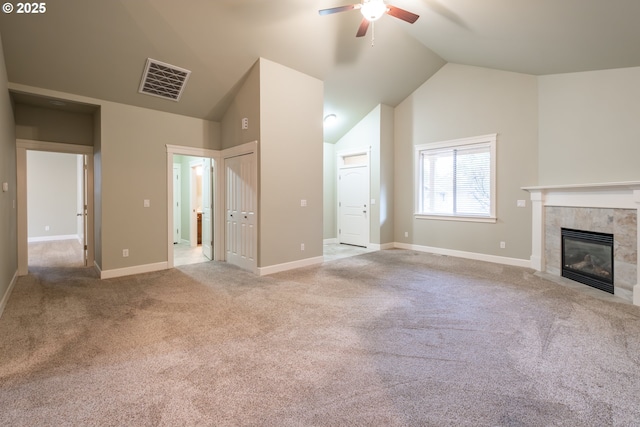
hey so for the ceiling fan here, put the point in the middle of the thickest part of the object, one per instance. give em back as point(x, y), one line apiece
point(371, 11)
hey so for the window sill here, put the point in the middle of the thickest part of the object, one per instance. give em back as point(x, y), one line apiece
point(491, 220)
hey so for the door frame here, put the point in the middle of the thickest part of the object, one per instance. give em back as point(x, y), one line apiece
point(214, 155)
point(22, 146)
point(340, 162)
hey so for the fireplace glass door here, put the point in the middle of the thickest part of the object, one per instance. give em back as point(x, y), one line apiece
point(587, 257)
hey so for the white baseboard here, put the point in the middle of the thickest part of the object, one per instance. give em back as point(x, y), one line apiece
point(263, 271)
point(52, 238)
point(380, 247)
point(136, 269)
point(330, 241)
point(7, 294)
point(516, 262)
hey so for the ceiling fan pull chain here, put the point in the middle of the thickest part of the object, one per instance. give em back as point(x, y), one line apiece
point(373, 32)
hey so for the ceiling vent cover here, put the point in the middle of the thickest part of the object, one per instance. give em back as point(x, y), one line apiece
point(163, 80)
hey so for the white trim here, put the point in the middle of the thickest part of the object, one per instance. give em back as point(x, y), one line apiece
point(239, 150)
point(22, 146)
point(489, 139)
point(52, 238)
point(516, 262)
point(218, 230)
point(56, 147)
point(192, 151)
point(366, 151)
point(457, 218)
point(263, 271)
point(7, 294)
point(381, 247)
point(136, 269)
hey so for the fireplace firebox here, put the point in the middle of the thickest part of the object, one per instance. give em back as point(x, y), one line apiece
point(587, 257)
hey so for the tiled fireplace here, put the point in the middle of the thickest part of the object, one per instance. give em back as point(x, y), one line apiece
point(609, 208)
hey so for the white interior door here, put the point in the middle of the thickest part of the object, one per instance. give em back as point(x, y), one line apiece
point(240, 206)
point(85, 219)
point(353, 205)
point(207, 209)
point(177, 197)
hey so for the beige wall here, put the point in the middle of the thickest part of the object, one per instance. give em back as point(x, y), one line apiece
point(52, 194)
point(133, 156)
point(330, 228)
point(462, 101)
point(246, 103)
point(50, 125)
point(291, 107)
point(589, 127)
point(375, 133)
point(385, 196)
point(8, 218)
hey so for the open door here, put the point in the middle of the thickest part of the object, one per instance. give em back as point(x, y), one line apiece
point(207, 208)
point(177, 204)
point(85, 221)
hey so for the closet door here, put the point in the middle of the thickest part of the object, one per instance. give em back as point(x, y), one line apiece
point(241, 200)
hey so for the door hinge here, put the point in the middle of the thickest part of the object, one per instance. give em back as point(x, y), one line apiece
point(85, 247)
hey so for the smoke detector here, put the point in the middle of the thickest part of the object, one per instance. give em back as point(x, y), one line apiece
point(163, 80)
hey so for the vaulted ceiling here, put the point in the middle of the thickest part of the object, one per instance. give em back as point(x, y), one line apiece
point(98, 48)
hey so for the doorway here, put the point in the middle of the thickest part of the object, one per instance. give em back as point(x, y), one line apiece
point(192, 209)
point(353, 198)
point(55, 205)
point(191, 191)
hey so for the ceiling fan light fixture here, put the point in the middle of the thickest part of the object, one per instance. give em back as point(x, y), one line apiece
point(372, 10)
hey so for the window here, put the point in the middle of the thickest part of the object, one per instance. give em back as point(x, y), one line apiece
point(456, 179)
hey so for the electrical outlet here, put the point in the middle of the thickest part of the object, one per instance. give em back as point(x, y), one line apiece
point(503, 245)
point(125, 253)
point(46, 228)
point(146, 203)
point(303, 202)
point(302, 246)
point(406, 234)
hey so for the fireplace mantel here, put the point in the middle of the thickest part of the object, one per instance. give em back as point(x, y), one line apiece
point(621, 195)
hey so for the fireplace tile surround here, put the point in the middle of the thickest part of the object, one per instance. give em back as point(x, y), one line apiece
point(606, 208)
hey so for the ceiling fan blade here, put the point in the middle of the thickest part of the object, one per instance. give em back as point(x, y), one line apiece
point(362, 29)
point(338, 9)
point(407, 16)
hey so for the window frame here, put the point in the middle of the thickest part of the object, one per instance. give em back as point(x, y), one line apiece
point(491, 141)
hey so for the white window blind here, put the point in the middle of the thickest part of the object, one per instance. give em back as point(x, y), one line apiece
point(457, 178)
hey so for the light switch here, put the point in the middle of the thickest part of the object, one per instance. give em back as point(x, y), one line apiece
point(303, 203)
point(147, 203)
point(521, 203)
point(5, 187)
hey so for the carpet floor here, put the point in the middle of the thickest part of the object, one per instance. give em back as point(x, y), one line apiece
point(390, 338)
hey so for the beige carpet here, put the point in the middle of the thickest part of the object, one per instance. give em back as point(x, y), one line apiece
point(390, 338)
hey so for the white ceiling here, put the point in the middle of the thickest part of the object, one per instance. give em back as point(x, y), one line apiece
point(98, 48)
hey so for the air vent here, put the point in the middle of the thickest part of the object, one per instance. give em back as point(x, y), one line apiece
point(163, 80)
